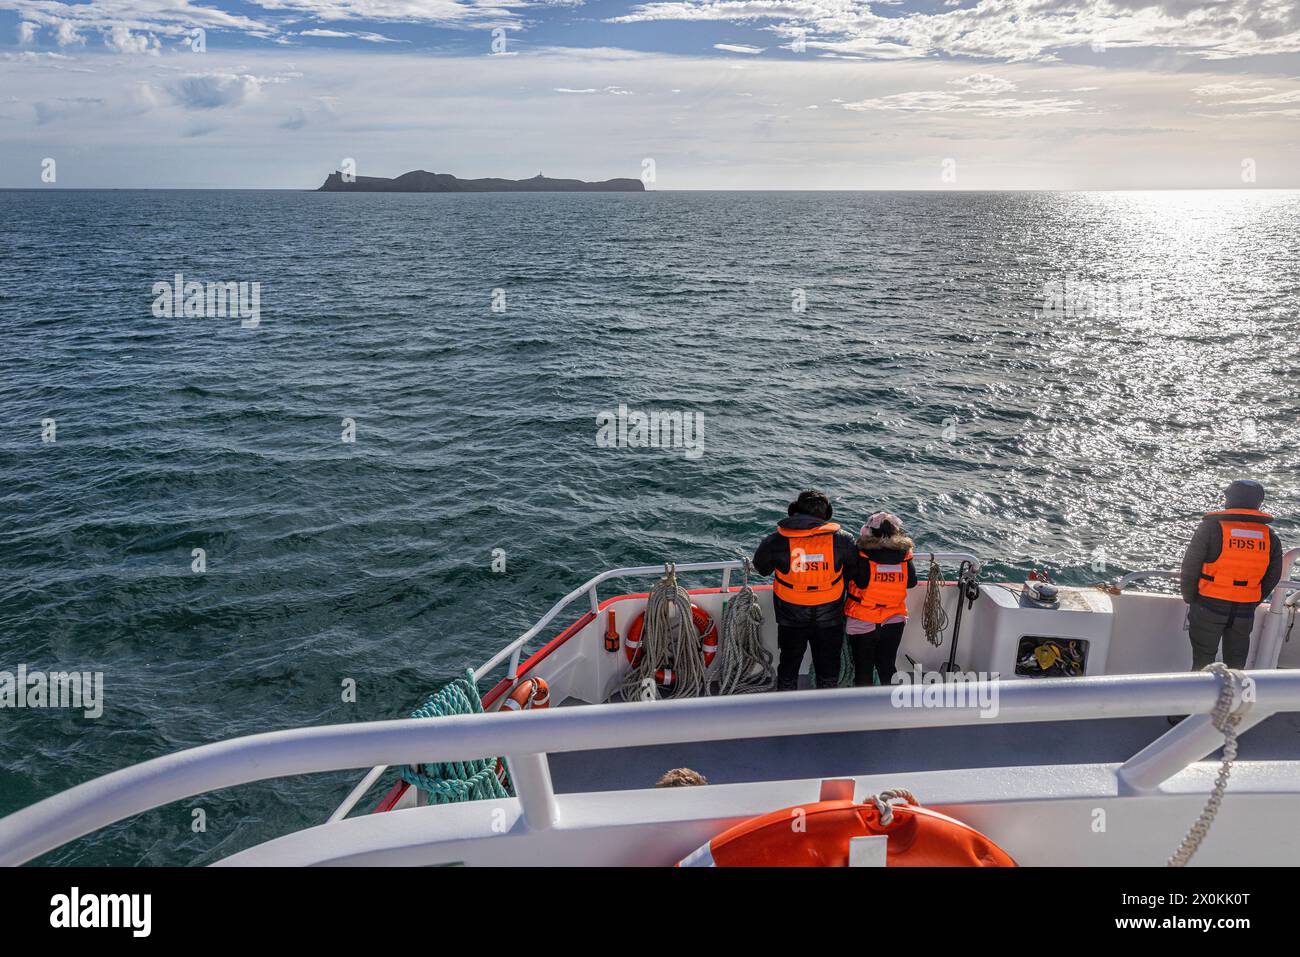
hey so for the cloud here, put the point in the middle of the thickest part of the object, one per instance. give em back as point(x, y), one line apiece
point(611, 90)
point(348, 35)
point(737, 48)
point(26, 32)
point(122, 40)
point(1220, 90)
point(447, 13)
point(1009, 30)
point(47, 111)
point(983, 83)
point(66, 35)
point(70, 20)
point(944, 101)
point(210, 91)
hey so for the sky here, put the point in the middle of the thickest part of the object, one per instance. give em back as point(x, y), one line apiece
point(706, 94)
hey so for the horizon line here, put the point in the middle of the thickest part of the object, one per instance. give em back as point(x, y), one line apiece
point(683, 189)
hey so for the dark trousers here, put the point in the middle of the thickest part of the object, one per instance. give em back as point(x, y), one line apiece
point(793, 641)
point(1207, 626)
point(877, 649)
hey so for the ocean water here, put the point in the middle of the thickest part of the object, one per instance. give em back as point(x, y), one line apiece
point(1053, 380)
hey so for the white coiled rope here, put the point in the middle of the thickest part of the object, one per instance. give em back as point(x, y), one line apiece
point(1225, 719)
point(744, 665)
point(884, 802)
point(933, 616)
point(669, 639)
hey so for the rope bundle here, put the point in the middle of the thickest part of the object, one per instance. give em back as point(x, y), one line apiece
point(451, 782)
point(743, 665)
point(669, 639)
point(934, 617)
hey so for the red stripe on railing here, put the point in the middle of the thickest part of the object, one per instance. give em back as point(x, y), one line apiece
point(391, 798)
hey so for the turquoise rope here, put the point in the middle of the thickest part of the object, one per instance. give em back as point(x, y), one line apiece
point(455, 781)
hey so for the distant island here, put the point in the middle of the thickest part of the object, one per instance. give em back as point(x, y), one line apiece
point(420, 181)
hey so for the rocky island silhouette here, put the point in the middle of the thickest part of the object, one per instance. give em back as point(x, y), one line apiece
point(421, 181)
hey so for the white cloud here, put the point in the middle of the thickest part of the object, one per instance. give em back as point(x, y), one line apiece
point(122, 40)
point(210, 91)
point(26, 32)
point(943, 101)
point(1010, 30)
point(737, 48)
point(983, 83)
point(348, 35)
point(66, 35)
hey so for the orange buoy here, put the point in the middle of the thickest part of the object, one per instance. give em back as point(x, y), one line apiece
point(533, 693)
point(818, 835)
point(704, 625)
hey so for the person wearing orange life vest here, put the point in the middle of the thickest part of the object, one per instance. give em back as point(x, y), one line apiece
point(877, 613)
point(810, 558)
point(1231, 565)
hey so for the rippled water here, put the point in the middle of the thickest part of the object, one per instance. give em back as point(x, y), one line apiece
point(920, 377)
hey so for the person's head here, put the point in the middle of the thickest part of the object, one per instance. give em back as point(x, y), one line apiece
point(1244, 493)
point(681, 778)
point(811, 502)
point(880, 525)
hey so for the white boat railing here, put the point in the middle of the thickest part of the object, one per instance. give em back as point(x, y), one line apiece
point(514, 650)
point(526, 737)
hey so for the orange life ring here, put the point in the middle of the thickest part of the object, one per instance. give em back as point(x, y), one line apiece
point(704, 624)
point(529, 694)
point(918, 837)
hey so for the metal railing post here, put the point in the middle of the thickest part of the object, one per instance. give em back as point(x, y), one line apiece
point(531, 776)
point(1184, 744)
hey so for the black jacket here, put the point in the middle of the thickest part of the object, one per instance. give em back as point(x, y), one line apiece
point(773, 555)
point(1206, 544)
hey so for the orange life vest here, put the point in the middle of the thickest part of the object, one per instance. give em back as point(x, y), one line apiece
point(1243, 561)
point(885, 595)
point(813, 578)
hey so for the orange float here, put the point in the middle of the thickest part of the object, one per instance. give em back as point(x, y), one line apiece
point(818, 835)
point(529, 694)
point(704, 625)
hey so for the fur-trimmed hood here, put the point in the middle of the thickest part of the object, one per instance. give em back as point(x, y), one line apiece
point(898, 542)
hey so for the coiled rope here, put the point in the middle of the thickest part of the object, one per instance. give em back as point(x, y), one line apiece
point(669, 639)
point(455, 781)
point(744, 664)
point(933, 616)
point(884, 802)
point(1225, 719)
